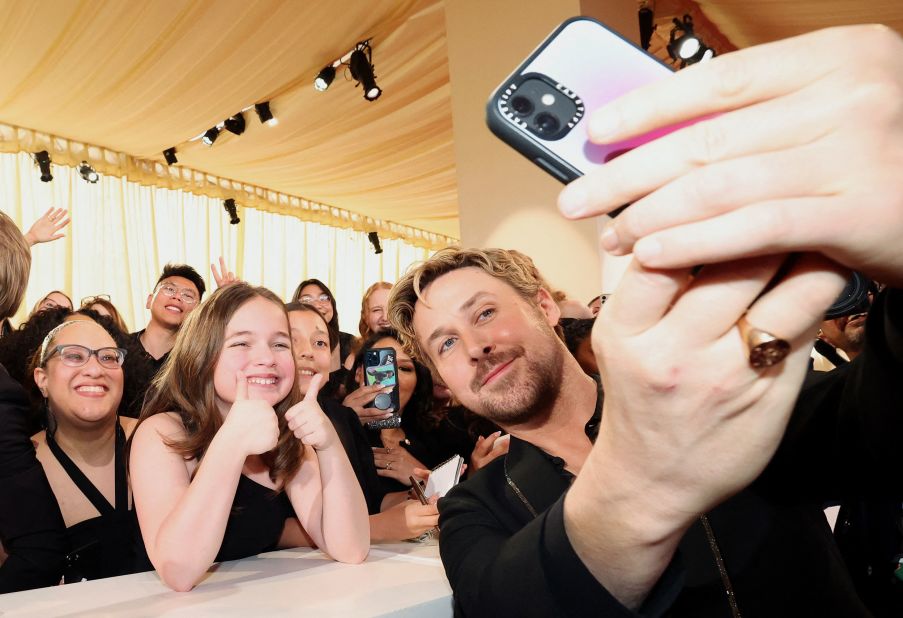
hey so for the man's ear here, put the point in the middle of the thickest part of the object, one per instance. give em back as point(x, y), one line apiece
point(150, 299)
point(40, 378)
point(548, 306)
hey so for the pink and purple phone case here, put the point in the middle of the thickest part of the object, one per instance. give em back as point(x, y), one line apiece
point(591, 65)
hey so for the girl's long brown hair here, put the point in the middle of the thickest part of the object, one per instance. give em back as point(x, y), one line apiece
point(184, 384)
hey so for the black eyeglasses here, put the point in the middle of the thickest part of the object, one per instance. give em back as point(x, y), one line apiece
point(74, 355)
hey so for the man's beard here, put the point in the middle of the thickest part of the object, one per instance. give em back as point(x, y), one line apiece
point(508, 402)
point(856, 337)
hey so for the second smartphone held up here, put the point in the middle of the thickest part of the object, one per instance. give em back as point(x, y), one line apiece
point(381, 367)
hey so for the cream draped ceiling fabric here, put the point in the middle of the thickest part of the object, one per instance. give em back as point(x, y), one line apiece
point(116, 83)
point(122, 234)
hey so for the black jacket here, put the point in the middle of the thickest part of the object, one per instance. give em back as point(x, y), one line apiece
point(845, 432)
point(31, 525)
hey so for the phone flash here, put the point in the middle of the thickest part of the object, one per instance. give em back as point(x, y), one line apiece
point(548, 99)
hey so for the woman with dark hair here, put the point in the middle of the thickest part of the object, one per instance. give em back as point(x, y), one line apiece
point(18, 348)
point(78, 370)
point(397, 451)
point(392, 518)
point(228, 460)
point(314, 292)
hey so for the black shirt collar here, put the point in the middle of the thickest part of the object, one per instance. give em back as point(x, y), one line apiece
point(537, 478)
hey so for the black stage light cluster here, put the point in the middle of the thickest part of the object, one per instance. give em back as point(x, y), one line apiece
point(88, 173)
point(360, 63)
point(229, 205)
point(233, 124)
point(685, 46)
point(84, 169)
point(43, 160)
point(373, 237)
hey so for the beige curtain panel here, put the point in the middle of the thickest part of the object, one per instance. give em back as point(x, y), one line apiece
point(122, 233)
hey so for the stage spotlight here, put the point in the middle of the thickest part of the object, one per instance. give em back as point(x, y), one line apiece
point(235, 124)
point(362, 70)
point(229, 205)
point(264, 113)
point(170, 155)
point(43, 160)
point(88, 173)
point(373, 237)
point(210, 136)
point(324, 78)
point(685, 46)
point(647, 26)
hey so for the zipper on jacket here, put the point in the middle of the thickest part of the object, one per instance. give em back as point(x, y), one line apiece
point(719, 560)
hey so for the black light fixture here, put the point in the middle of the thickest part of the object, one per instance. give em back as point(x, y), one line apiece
point(235, 124)
point(373, 237)
point(43, 160)
point(170, 155)
point(210, 136)
point(265, 114)
point(324, 78)
point(229, 205)
point(685, 46)
point(88, 173)
point(362, 70)
point(647, 26)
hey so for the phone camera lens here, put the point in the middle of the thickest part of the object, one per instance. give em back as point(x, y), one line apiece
point(546, 124)
point(522, 106)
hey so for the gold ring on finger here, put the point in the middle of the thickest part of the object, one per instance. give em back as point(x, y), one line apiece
point(762, 348)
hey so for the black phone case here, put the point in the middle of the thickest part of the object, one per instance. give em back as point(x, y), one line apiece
point(395, 419)
point(529, 147)
point(506, 132)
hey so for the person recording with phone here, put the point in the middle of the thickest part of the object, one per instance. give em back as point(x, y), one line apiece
point(392, 517)
point(399, 449)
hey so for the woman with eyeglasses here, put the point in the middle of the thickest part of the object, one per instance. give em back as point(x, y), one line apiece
point(78, 370)
point(314, 292)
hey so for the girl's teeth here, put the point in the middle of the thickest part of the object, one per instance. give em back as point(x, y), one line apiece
point(262, 380)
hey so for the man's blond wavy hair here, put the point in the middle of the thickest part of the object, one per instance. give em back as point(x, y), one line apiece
point(512, 267)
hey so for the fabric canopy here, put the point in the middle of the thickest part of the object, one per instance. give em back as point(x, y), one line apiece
point(118, 82)
point(139, 77)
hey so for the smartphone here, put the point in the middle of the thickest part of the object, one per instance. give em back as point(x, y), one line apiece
point(381, 367)
point(541, 108)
